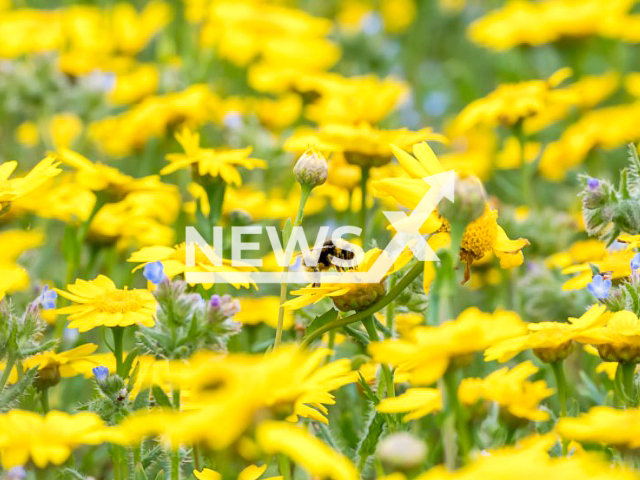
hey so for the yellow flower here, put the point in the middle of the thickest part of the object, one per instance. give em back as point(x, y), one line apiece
point(64, 129)
point(230, 390)
point(617, 263)
point(582, 251)
point(360, 144)
point(426, 352)
point(603, 425)
point(262, 310)
point(13, 243)
point(549, 340)
point(419, 402)
point(480, 237)
point(510, 389)
point(617, 340)
point(12, 189)
point(135, 84)
point(27, 134)
point(510, 103)
point(99, 303)
point(305, 450)
point(214, 163)
point(537, 23)
point(349, 296)
point(65, 364)
point(49, 439)
point(174, 262)
point(252, 472)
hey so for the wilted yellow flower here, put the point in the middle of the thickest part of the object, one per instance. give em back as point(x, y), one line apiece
point(49, 439)
point(426, 352)
point(99, 302)
point(210, 162)
point(549, 340)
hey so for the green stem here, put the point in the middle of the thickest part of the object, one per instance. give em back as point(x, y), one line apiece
point(376, 307)
point(44, 400)
point(118, 336)
point(285, 467)
point(561, 385)
point(628, 371)
point(304, 196)
point(455, 409)
point(526, 168)
point(196, 457)
point(11, 360)
point(370, 326)
point(364, 179)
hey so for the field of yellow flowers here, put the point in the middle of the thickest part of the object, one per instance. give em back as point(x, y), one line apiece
point(173, 178)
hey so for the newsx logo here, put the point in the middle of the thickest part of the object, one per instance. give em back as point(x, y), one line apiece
point(407, 229)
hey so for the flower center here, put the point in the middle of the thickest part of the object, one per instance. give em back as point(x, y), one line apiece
point(119, 301)
point(481, 234)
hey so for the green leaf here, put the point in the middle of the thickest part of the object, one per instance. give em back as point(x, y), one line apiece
point(11, 394)
point(139, 473)
point(142, 400)
point(133, 377)
point(369, 440)
point(322, 320)
point(128, 361)
point(161, 397)
point(160, 475)
point(595, 270)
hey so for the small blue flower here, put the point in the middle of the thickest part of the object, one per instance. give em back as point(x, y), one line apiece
point(154, 272)
point(599, 287)
point(593, 183)
point(101, 373)
point(215, 301)
point(48, 298)
point(16, 473)
point(635, 262)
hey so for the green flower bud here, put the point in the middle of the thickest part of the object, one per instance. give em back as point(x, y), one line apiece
point(311, 168)
point(47, 377)
point(548, 355)
point(360, 297)
point(470, 202)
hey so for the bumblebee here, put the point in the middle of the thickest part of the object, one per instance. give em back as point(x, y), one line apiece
point(328, 252)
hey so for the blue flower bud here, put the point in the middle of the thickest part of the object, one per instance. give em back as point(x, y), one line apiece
point(635, 262)
point(593, 183)
point(101, 373)
point(599, 287)
point(154, 272)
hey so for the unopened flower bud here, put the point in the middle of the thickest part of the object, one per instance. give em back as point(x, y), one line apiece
point(360, 297)
point(311, 168)
point(470, 201)
point(403, 451)
point(222, 308)
point(47, 377)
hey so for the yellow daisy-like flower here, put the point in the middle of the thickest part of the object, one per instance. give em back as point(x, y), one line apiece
point(511, 103)
point(604, 425)
point(214, 163)
point(509, 388)
point(616, 263)
point(174, 262)
point(360, 144)
point(549, 340)
point(482, 236)
point(252, 472)
point(49, 439)
point(349, 296)
point(12, 189)
point(99, 302)
point(68, 363)
point(617, 340)
point(426, 352)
